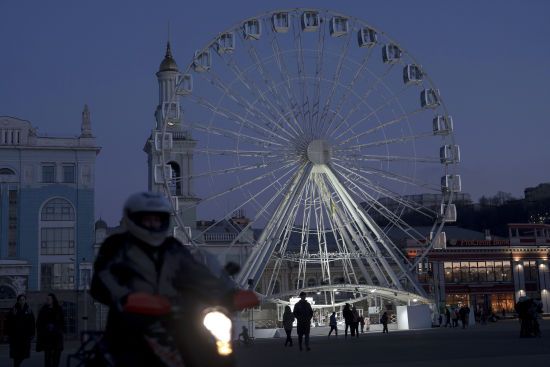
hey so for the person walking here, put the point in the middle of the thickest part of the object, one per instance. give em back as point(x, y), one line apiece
point(464, 313)
point(20, 330)
point(333, 324)
point(348, 319)
point(447, 317)
point(355, 322)
point(288, 320)
point(362, 323)
point(455, 317)
point(384, 321)
point(49, 329)
point(303, 313)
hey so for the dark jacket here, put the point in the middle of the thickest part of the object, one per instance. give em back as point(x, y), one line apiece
point(347, 314)
point(384, 319)
point(288, 320)
point(50, 327)
point(20, 331)
point(303, 312)
point(126, 265)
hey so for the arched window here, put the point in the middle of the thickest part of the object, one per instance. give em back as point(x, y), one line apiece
point(175, 182)
point(57, 210)
point(6, 171)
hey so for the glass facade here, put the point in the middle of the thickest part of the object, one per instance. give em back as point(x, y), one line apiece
point(57, 241)
point(477, 271)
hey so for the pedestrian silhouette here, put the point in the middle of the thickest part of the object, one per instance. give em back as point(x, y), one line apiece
point(384, 321)
point(333, 324)
point(303, 313)
point(288, 320)
point(20, 330)
point(49, 329)
point(348, 319)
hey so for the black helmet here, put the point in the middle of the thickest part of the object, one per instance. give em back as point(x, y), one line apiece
point(143, 204)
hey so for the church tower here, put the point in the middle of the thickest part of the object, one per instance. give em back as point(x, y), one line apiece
point(178, 145)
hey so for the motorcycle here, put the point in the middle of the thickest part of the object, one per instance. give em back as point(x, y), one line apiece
point(171, 340)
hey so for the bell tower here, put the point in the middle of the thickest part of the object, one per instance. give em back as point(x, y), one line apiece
point(170, 150)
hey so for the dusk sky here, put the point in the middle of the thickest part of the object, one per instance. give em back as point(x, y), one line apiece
point(490, 59)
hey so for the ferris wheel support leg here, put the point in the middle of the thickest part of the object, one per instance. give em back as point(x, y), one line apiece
point(362, 223)
point(379, 234)
point(258, 259)
point(363, 249)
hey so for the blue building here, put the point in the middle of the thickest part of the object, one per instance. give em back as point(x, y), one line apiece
point(46, 209)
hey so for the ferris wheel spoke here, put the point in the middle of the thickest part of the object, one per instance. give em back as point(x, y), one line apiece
point(246, 183)
point(254, 89)
point(293, 105)
point(236, 169)
point(237, 118)
point(335, 80)
point(371, 113)
point(383, 125)
point(388, 193)
point(304, 101)
point(237, 152)
point(408, 230)
point(285, 176)
point(317, 77)
point(391, 176)
point(389, 158)
point(401, 139)
point(348, 89)
point(235, 135)
point(268, 81)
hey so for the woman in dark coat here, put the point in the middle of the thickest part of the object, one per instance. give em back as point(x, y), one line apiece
point(288, 321)
point(50, 328)
point(20, 330)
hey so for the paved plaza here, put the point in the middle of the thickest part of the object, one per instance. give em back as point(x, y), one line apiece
point(496, 344)
point(482, 345)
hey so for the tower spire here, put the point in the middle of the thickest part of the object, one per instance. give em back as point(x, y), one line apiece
point(86, 127)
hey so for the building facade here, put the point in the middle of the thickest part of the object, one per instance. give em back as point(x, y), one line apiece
point(490, 274)
point(46, 212)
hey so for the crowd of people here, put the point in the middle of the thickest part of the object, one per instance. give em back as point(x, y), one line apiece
point(48, 328)
point(454, 315)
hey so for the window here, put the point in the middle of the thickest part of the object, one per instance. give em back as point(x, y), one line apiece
point(311, 282)
point(57, 210)
point(69, 316)
point(12, 223)
point(69, 173)
point(57, 241)
point(477, 271)
point(502, 301)
point(48, 173)
point(530, 271)
point(57, 276)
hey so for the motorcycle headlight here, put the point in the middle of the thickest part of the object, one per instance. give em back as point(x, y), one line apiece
point(219, 326)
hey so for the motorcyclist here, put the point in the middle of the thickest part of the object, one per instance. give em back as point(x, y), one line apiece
point(145, 259)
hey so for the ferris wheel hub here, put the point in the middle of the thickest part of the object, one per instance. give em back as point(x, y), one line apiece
point(319, 152)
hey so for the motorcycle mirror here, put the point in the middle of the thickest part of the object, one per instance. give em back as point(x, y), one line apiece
point(232, 268)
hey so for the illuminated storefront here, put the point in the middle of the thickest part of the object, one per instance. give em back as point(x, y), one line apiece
point(489, 274)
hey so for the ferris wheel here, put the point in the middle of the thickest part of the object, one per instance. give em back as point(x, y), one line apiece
point(325, 132)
